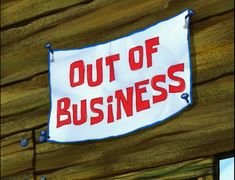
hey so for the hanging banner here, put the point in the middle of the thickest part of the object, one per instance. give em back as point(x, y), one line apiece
point(117, 87)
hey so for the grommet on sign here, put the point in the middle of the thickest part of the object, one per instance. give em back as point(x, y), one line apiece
point(48, 46)
point(24, 142)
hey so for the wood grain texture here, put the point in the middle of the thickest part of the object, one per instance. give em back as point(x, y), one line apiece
point(26, 175)
point(14, 158)
point(164, 151)
point(209, 177)
point(205, 129)
point(89, 28)
point(29, 9)
point(209, 61)
point(41, 23)
point(179, 171)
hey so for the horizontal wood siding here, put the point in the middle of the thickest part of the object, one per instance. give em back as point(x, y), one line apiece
point(14, 158)
point(180, 148)
point(178, 171)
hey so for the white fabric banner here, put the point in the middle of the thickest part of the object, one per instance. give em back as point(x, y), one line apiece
point(117, 87)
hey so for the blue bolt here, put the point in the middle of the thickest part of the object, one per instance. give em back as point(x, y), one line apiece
point(42, 139)
point(190, 13)
point(24, 142)
point(42, 178)
point(48, 46)
point(43, 133)
point(185, 97)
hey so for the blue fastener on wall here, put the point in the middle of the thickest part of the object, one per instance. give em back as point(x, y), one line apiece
point(48, 46)
point(43, 133)
point(24, 142)
point(185, 97)
point(190, 13)
point(43, 136)
point(42, 139)
point(42, 178)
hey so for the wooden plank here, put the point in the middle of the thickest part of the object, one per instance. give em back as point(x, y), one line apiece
point(26, 96)
point(50, 20)
point(211, 62)
point(14, 158)
point(203, 130)
point(162, 8)
point(97, 26)
point(36, 9)
point(179, 171)
point(209, 177)
point(27, 175)
point(21, 122)
point(30, 9)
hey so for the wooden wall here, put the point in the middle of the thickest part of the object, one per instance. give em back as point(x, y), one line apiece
point(180, 148)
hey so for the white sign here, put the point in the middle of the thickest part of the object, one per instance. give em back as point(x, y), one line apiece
point(115, 88)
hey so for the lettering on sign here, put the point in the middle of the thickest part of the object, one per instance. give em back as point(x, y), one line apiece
point(120, 86)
